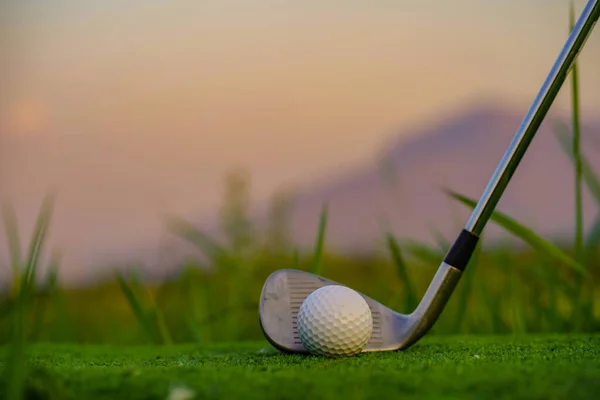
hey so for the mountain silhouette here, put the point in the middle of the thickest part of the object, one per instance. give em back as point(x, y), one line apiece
point(401, 189)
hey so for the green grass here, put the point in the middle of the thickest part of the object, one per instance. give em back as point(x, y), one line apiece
point(531, 367)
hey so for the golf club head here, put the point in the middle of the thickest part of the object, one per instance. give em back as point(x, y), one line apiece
point(285, 290)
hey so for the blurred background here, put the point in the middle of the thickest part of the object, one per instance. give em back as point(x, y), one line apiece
point(192, 148)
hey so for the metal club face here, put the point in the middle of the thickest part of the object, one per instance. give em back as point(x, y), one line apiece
point(285, 290)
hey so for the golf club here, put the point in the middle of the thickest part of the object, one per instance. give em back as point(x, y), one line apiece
point(285, 290)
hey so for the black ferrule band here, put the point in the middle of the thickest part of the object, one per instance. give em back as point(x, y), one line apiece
point(462, 249)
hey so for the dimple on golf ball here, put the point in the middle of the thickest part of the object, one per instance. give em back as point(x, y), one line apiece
point(335, 321)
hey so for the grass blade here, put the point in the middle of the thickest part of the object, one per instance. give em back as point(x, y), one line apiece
point(48, 291)
point(410, 300)
point(424, 253)
point(318, 254)
point(579, 251)
point(15, 373)
point(443, 243)
point(35, 247)
point(137, 307)
point(14, 247)
point(526, 234)
point(162, 327)
point(576, 150)
point(159, 316)
point(209, 246)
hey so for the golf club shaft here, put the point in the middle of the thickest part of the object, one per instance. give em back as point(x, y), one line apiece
point(534, 117)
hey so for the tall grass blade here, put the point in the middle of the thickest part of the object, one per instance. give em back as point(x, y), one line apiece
point(14, 247)
point(442, 242)
point(48, 291)
point(209, 246)
point(37, 241)
point(526, 234)
point(423, 252)
point(161, 323)
point(579, 251)
point(136, 306)
point(318, 253)
point(576, 150)
point(15, 372)
point(410, 299)
point(162, 327)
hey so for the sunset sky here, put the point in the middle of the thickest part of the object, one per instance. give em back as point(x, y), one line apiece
point(287, 89)
point(260, 70)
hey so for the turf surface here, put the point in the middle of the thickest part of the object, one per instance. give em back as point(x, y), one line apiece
point(532, 367)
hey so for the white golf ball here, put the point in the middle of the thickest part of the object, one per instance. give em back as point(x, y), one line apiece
point(335, 321)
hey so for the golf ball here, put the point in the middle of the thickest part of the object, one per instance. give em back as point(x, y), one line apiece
point(335, 321)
